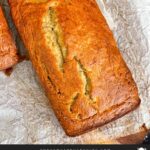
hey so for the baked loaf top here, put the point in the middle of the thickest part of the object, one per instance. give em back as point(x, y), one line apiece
point(77, 60)
point(8, 56)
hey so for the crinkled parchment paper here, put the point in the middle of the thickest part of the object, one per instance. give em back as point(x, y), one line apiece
point(25, 114)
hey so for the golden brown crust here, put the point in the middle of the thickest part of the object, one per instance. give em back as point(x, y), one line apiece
point(8, 56)
point(77, 60)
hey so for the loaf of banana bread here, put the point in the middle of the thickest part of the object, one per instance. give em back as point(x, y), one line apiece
point(8, 51)
point(77, 60)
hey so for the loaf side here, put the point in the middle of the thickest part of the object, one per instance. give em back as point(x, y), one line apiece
point(8, 51)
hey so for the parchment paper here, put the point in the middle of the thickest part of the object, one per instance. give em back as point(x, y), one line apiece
point(25, 113)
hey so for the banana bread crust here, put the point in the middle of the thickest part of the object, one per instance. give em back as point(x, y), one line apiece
point(77, 60)
point(8, 51)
